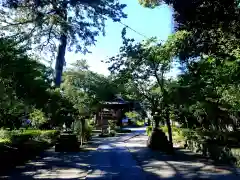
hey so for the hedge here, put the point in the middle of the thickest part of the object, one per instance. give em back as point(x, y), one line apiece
point(18, 146)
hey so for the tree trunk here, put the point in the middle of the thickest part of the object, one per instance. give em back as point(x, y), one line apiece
point(157, 121)
point(149, 122)
point(169, 126)
point(60, 60)
point(83, 130)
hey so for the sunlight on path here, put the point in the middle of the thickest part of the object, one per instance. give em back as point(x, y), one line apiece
point(181, 166)
point(114, 161)
point(53, 165)
point(120, 158)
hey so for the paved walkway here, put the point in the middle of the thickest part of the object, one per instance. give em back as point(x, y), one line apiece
point(118, 158)
point(106, 161)
point(53, 165)
point(183, 165)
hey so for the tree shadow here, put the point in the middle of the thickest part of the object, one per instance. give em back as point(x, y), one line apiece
point(113, 161)
point(110, 162)
point(52, 165)
point(182, 165)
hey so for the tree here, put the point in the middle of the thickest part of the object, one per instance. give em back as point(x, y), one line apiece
point(25, 85)
point(86, 90)
point(92, 88)
point(213, 25)
point(72, 24)
point(211, 87)
point(141, 63)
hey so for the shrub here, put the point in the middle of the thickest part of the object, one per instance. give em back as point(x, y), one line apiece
point(112, 133)
point(22, 145)
point(37, 118)
point(4, 134)
point(78, 127)
point(18, 137)
point(88, 132)
point(139, 123)
point(149, 130)
point(112, 124)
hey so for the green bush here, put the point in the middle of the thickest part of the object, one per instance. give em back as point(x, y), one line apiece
point(18, 137)
point(4, 134)
point(112, 124)
point(78, 127)
point(112, 133)
point(21, 145)
point(139, 123)
point(37, 118)
point(219, 146)
point(149, 130)
point(88, 132)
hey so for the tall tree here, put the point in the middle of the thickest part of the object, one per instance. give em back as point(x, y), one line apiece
point(25, 84)
point(143, 62)
point(213, 25)
point(71, 24)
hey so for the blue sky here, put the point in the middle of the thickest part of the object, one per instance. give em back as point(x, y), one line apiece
point(150, 22)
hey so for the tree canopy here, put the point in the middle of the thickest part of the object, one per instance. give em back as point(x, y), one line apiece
point(58, 24)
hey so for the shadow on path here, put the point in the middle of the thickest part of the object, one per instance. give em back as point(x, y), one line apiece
point(110, 158)
point(182, 165)
point(53, 165)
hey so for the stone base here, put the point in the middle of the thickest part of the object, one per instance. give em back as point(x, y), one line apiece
point(67, 143)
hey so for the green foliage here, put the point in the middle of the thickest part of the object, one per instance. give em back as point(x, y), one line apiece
point(133, 115)
point(37, 118)
point(83, 129)
point(139, 123)
point(20, 146)
point(18, 137)
point(112, 124)
point(87, 134)
point(48, 19)
point(144, 66)
point(86, 89)
point(220, 150)
point(149, 130)
point(77, 128)
point(25, 85)
point(150, 3)
point(74, 24)
point(177, 133)
point(205, 97)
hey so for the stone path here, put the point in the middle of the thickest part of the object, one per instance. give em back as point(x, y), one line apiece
point(53, 165)
point(114, 162)
point(184, 165)
point(119, 158)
